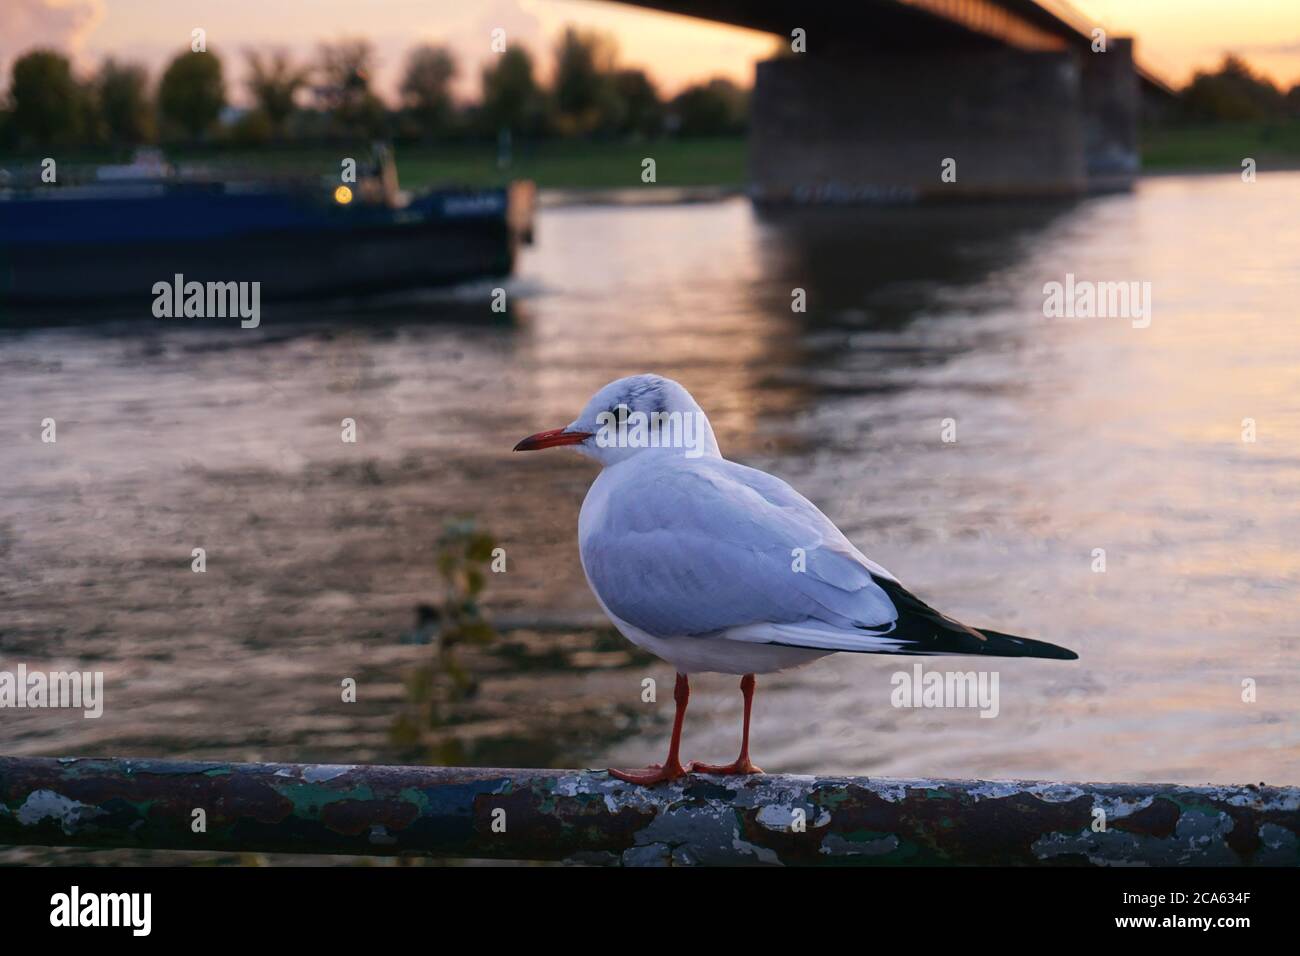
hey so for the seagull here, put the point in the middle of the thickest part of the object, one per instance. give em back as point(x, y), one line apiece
point(716, 567)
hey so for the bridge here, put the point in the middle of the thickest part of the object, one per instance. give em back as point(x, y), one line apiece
point(896, 100)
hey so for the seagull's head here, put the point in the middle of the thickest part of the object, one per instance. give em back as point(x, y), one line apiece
point(640, 414)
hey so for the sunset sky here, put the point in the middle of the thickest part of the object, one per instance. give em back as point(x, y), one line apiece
point(1175, 36)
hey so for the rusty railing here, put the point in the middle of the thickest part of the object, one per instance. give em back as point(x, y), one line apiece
point(589, 817)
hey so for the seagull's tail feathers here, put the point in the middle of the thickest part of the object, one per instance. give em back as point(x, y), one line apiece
point(926, 631)
point(918, 629)
point(816, 635)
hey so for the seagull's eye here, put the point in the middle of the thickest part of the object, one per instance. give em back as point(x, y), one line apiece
point(620, 413)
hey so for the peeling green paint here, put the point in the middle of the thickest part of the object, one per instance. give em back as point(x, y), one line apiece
point(310, 797)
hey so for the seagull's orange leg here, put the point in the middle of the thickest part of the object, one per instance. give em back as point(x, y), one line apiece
point(670, 769)
point(743, 764)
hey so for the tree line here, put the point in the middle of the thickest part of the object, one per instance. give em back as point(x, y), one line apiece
point(331, 98)
point(1235, 92)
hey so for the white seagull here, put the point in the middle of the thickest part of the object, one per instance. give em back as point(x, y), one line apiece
point(716, 567)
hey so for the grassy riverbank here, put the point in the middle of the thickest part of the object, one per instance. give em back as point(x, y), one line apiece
point(1222, 145)
point(560, 164)
point(573, 164)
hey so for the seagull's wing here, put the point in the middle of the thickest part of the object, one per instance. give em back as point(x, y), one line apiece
point(707, 547)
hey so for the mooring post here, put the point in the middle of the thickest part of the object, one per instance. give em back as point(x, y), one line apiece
point(589, 817)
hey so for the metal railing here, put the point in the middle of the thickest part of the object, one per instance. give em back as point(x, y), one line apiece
point(589, 817)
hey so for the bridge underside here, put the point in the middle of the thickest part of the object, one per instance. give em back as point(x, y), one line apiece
point(887, 25)
point(1000, 123)
point(887, 91)
point(995, 123)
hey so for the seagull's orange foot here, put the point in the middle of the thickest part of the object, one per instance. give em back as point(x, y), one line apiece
point(651, 775)
point(741, 766)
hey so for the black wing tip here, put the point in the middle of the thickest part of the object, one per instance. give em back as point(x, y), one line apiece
point(1009, 645)
point(930, 632)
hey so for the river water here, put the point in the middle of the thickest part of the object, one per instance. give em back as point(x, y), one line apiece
point(1072, 435)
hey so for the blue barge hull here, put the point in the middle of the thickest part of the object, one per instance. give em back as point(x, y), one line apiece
point(98, 244)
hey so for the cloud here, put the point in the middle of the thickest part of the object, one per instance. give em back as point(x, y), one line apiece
point(58, 24)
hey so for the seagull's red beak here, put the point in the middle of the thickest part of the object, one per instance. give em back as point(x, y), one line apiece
point(552, 439)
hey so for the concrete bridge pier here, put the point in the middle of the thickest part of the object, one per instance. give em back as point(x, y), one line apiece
point(872, 128)
point(1111, 105)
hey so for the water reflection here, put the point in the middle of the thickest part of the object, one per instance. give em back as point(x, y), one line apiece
point(1072, 435)
point(881, 268)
